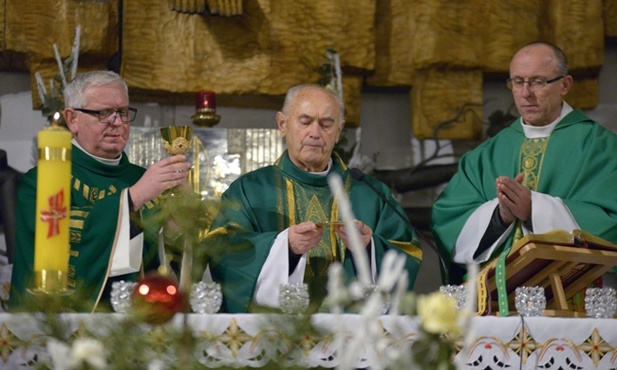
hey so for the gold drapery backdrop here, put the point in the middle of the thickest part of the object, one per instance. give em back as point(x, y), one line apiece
point(251, 51)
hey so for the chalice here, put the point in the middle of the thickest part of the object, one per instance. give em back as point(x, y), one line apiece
point(177, 139)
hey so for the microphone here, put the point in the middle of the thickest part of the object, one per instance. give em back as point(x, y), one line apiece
point(358, 175)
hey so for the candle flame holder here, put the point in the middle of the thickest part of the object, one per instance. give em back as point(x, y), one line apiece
point(205, 118)
point(205, 109)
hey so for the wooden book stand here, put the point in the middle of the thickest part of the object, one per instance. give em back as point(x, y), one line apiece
point(563, 263)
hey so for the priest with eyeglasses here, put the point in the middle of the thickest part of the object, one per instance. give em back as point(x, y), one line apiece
point(552, 168)
point(110, 197)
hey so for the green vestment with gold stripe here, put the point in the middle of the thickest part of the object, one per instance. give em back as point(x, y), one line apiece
point(95, 208)
point(576, 163)
point(261, 204)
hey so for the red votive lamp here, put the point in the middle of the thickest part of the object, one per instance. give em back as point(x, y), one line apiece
point(205, 101)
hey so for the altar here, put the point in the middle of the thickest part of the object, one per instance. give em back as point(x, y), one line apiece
point(253, 340)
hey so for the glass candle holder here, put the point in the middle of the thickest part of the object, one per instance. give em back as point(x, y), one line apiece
point(530, 300)
point(458, 292)
point(600, 303)
point(120, 296)
point(294, 298)
point(206, 297)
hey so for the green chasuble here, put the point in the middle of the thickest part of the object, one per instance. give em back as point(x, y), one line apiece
point(578, 165)
point(95, 208)
point(261, 204)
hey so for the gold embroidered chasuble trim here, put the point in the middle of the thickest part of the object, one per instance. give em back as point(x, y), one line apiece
point(91, 194)
point(409, 248)
point(113, 251)
point(296, 198)
point(530, 164)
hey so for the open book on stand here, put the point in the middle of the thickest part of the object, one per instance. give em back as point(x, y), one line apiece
point(564, 263)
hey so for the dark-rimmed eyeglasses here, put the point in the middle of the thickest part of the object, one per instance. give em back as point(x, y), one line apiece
point(108, 116)
point(533, 84)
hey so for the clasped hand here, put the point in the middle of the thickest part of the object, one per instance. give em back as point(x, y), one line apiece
point(306, 235)
point(514, 199)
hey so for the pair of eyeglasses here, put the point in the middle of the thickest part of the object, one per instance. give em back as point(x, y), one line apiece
point(533, 84)
point(108, 116)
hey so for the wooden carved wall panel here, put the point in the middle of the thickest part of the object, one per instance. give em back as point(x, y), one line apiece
point(261, 47)
point(609, 12)
point(2, 25)
point(438, 95)
point(584, 92)
point(352, 88)
point(227, 8)
point(576, 27)
point(395, 36)
point(449, 33)
point(511, 24)
point(33, 27)
point(269, 48)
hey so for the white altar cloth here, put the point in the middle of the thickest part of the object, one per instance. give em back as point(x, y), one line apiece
point(252, 340)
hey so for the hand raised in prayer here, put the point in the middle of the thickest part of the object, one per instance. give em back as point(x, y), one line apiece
point(366, 233)
point(160, 176)
point(303, 237)
point(514, 199)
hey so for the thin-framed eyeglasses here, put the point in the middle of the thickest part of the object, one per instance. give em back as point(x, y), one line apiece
point(533, 84)
point(108, 116)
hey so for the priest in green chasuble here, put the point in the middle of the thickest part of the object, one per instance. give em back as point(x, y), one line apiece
point(109, 195)
point(553, 168)
point(280, 224)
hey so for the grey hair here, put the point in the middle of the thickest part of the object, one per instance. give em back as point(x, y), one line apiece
point(293, 92)
point(74, 96)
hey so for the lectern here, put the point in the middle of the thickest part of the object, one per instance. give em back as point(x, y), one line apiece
point(564, 263)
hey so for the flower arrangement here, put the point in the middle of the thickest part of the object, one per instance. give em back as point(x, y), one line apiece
point(440, 318)
point(441, 322)
point(126, 342)
point(331, 74)
point(53, 99)
point(129, 341)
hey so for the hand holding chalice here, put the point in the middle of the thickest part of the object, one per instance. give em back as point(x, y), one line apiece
point(177, 140)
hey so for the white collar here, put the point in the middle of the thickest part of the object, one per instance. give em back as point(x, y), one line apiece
point(533, 132)
point(326, 171)
point(111, 162)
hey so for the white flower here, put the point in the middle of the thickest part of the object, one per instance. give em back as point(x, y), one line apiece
point(156, 365)
point(356, 290)
point(438, 313)
point(392, 266)
point(337, 294)
point(89, 351)
point(59, 353)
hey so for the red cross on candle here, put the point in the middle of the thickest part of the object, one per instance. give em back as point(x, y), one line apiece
point(55, 213)
point(205, 101)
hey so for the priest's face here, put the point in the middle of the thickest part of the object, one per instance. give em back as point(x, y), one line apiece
point(538, 105)
point(311, 125)
point(105, 140)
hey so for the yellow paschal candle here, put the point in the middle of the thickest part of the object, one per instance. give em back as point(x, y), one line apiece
point(53, 194)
